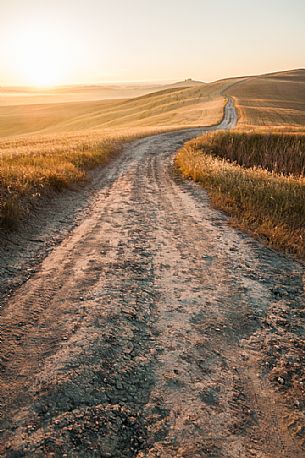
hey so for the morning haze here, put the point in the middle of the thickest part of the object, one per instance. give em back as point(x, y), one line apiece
point(68, 42)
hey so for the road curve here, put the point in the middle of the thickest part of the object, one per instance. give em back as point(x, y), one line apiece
point(142, 333)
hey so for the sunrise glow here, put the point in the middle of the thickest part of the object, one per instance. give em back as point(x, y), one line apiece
point(39, 57)
point(65, 42)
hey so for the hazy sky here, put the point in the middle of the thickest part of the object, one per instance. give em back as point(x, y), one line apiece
point(71, 41)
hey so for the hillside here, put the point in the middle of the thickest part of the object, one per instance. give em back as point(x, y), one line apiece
point(201, 104)
point(273, 100)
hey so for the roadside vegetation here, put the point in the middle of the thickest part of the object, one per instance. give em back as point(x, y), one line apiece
point(275, 152)
point(34, 167)
point(258, 179)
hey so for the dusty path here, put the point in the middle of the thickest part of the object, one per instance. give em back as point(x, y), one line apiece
point(144, 333)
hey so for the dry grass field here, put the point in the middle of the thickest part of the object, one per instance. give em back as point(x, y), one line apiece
point(275, 152)
point(47, 147)
point(258, 179)
point(273, 101)
point(201, 104)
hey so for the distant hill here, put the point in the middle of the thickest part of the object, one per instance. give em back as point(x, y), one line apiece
point(186, 83)
point(76, 93)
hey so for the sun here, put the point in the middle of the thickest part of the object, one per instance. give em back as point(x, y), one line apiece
point(40, 56)
point(39, 69)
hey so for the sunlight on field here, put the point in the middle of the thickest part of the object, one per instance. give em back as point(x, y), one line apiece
point(184, 107)
point(264, 102)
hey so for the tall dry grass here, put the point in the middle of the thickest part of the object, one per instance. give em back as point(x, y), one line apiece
point(270, 204)
point(279, 153)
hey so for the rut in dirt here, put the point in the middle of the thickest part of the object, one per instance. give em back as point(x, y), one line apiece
point(146, 332)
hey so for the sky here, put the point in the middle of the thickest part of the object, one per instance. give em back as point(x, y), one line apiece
point(54, 42)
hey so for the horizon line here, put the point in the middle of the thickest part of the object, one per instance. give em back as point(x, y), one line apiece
point(129, 82)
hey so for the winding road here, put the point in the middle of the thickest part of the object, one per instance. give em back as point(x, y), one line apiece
point(144, 332)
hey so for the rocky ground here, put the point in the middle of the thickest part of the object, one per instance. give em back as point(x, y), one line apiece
point(149, 327)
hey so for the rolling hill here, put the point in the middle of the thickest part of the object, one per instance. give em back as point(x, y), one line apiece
point(200, 104)
point(274, 100)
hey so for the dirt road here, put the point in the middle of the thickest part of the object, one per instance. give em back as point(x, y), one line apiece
point(147, 331)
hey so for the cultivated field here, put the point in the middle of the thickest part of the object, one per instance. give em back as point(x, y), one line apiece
point(50, 146)
point(273, 101)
